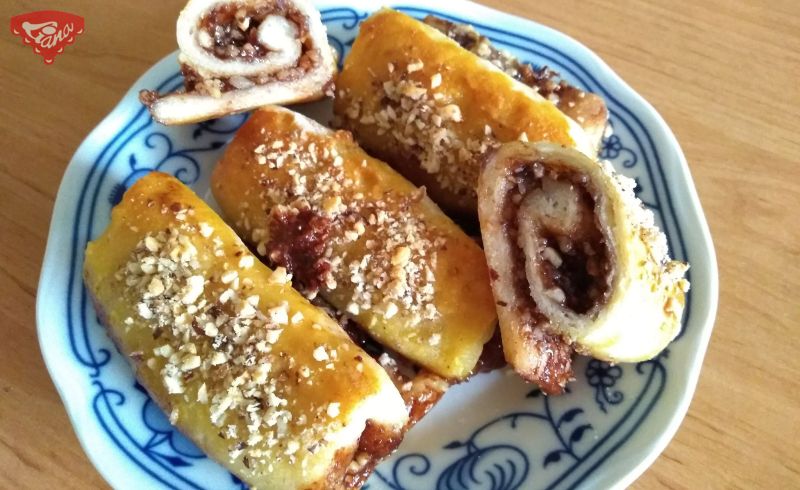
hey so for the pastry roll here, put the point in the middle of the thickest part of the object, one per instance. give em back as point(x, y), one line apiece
point(420, 388)
point(371, 243)
point(236, 56)
point(416, 99)
point(587, 109)
point(264, 382)
point(576, 260)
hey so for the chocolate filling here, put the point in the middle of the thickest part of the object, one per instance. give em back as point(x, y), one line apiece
point(224, 26)
point(556, 370)
point(584, 256)
point(492, 357)
point(297, 242)
point(573, 260)
point(234, 28)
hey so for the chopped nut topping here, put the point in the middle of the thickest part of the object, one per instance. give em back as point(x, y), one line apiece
point(246, 262)
point(152, 244)
point(424, 122)
point(212, 327)
point(317, 212)
point(202, 394)
point(297, 318)
point(333, 410)
point(320, 354)
point(193, 289)
point(280, 276)
point(391, 310)
point(218, 358)
point(229, 276)
point(206, 230)
point(279, 315)
point(415, 66)
point(155, 288)
point(190, 362)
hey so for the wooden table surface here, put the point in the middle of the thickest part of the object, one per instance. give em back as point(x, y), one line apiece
point(725, 76)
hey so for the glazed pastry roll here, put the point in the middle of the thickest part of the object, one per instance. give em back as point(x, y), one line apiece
point(587, 109)
point(370, 242)
point(415, 98)
point(420, 388)
point(264, 382)
point(575, 259)
point(236, 56)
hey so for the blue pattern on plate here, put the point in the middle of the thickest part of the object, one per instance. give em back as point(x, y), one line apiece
point(496, 455)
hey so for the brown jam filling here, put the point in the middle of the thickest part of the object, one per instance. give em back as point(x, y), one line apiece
point(585, 266)
point(297, 242)
point(234, 28)
point(521, 287)
point(584, 256)
point(578, 264)
point(556, 369)
point(492, 357)
point(224, 25)
point(582, 273)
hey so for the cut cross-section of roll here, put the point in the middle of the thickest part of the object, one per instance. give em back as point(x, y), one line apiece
point(575, 255)
point(236, 56)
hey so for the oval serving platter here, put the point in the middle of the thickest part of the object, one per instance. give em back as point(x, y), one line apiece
point(494, 432)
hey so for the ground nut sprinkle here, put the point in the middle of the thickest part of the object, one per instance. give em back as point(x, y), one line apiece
point(423, 121)
point(330, 237)
point(210, 326)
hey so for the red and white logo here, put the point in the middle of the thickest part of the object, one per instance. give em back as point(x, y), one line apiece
point(47, 31)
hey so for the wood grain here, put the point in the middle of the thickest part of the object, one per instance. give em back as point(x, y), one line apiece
point(724, 74)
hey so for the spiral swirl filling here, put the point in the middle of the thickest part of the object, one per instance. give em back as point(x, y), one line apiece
point(550, 216)
point(239, 45)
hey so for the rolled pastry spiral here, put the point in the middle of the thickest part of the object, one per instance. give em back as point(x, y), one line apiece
point(236, 55)
point(576, 261)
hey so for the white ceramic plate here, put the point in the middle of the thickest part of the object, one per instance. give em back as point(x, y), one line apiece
point(493, 432)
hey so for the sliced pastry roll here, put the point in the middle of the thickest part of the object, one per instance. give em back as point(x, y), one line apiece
point(237, 55)
point(415, 98)
point(370, 242)
point(576, 261)
point(264, 382)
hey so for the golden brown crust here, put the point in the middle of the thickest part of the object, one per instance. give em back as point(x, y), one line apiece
point(421, 393)
point(420, 389)
point(160, 222)
point(587, 109)
point(305, 196)
point(433, 109)
point(577, 262)
point(541, 358)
